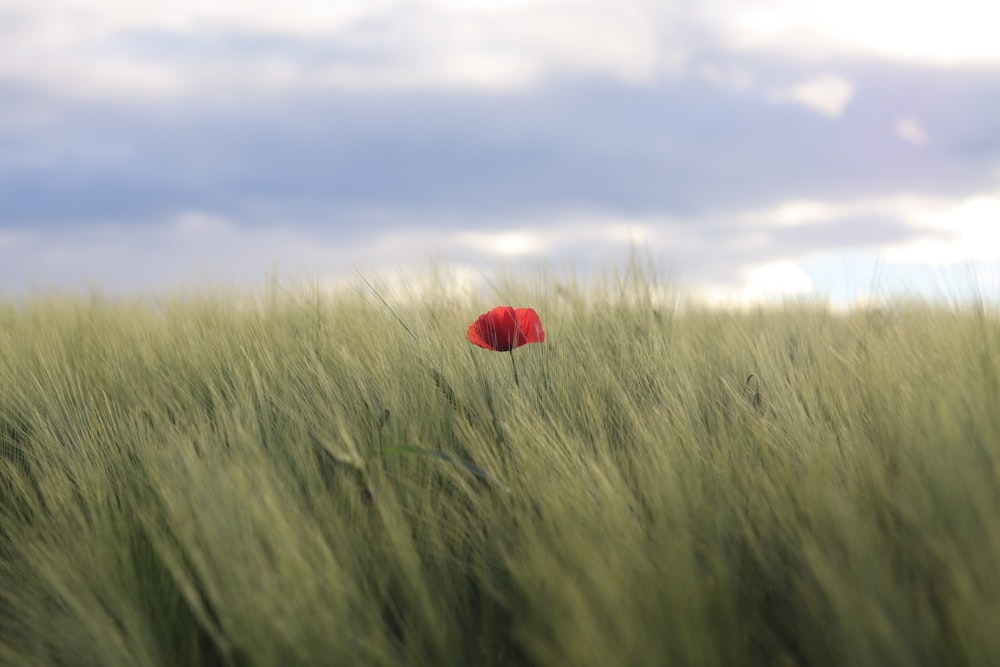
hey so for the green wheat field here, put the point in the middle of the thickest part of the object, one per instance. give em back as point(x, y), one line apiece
point(317, 478)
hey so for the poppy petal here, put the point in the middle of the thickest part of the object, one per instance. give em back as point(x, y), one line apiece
point(494, 330)
point(477, 333)
point(504, 328)
point(530, 326)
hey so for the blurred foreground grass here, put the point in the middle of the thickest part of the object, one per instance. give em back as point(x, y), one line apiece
point(206, 482)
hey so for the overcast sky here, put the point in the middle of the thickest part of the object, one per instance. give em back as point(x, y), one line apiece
point(754, 148)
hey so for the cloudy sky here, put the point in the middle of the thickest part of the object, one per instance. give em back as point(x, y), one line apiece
point(754, 148)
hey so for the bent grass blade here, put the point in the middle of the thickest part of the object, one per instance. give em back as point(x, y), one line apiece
point(456, 461)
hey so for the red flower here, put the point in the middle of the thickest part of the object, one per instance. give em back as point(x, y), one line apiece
point(504, 328)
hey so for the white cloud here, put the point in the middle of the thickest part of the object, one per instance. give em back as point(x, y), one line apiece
point(769, 282)
point(730, 269)
point(794, 213)
point(911, 131)
point(943, 230)
point(201, 248)
point(546, 236)
point(939, 33)
point(455, 282)
point(936, 215)
point(508, 243)
point(802, 212)
point(82, 48)
point(828, 95)
point(98, 48)
point(953, 232)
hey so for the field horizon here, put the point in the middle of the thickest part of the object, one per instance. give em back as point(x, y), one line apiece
point(313, 478)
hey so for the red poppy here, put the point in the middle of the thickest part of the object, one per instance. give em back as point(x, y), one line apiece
point(504, 328)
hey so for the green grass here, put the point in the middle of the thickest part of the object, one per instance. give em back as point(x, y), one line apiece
point(308, 480)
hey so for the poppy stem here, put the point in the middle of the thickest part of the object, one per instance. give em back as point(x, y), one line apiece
point(514, 364)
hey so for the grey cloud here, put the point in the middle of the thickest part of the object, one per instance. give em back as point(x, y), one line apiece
point(728, 249)
point(346, 167)
point(682, 148)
